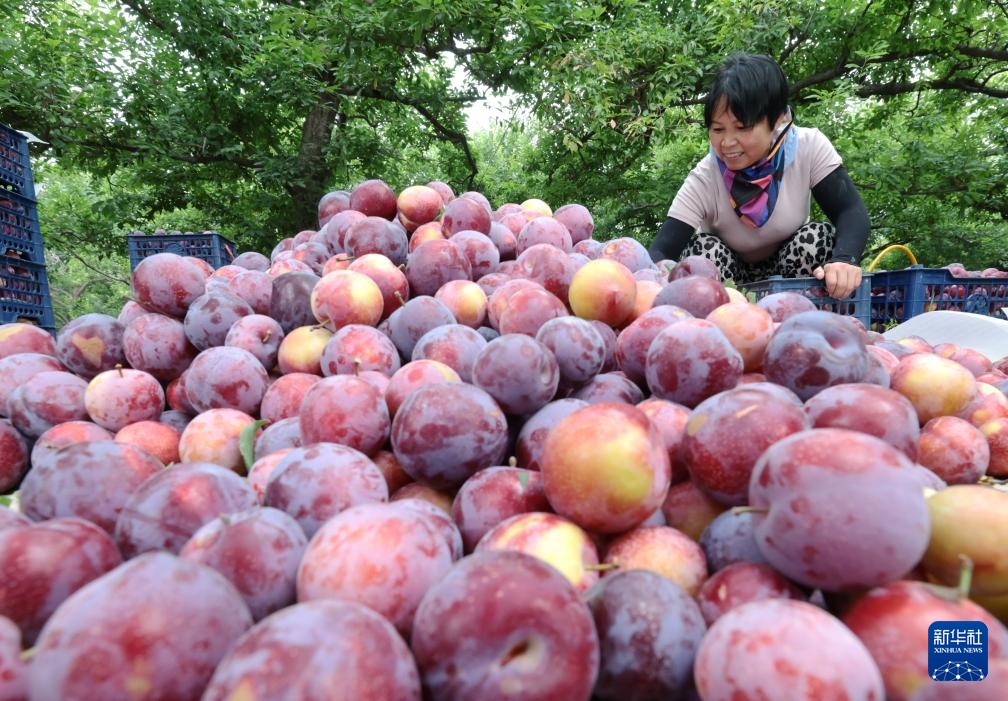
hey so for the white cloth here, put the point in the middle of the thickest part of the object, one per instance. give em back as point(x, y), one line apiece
point(981, 333)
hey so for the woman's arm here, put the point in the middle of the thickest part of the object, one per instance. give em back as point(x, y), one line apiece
point(670, 240)
point(840, 201)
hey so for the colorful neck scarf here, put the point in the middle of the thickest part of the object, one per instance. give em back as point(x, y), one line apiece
point(753, 191)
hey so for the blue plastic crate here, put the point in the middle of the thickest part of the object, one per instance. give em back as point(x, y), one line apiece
point(15, 165)
point(212, 248)
point(898, 295)
point(24, 293)
point(19, 227)
point(858, 305)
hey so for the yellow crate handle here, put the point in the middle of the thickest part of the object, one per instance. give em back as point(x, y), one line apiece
point(894, 247)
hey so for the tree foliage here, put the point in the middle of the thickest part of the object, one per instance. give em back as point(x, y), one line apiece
point(254, 108)
point(86, 259)
point(247, 111)
point(912, 93)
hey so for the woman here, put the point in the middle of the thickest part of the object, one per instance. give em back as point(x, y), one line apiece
point(745, 205)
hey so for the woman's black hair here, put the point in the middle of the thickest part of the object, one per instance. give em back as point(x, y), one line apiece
point(752, 85)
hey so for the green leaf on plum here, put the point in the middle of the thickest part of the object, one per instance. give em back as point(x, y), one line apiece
point(523, 479)
point(246, 441)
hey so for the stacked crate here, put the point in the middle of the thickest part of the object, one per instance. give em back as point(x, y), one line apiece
point(858, 305)
point(898, 295)
point(24, 284)
point(208, 246)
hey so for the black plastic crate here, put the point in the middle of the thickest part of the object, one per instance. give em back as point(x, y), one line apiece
point(15, 166)
point(19, 227)
point(898, 295)
point(857, 305)
point(212, 248)
point(24, 293)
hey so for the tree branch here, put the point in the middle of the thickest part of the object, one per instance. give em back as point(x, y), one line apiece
point(1000, 209)
point(982, 52)
point(845, 64)
point(432, 50)
point(83, 261)
point(445, 132)
point(642, 207)
point(961, 84)
point(994, 206)
point(905, 19)
point(158, 22)
point(144, 13)
point(206, 159)
point(794, 41)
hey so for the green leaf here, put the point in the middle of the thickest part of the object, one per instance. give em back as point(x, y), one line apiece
point(246, 442)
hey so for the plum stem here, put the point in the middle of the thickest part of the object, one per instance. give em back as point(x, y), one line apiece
point(989, 481)
point(357, 365)
point(519, 649)
point(398, 296)
point(736, 510)
point(965, 575)
point(26, 655)
point(603, 567)
point(119, 367)
point(512, 461)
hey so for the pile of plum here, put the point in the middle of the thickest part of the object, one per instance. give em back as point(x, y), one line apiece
point(439, 450)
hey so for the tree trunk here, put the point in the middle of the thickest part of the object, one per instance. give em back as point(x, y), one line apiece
point(308, 188)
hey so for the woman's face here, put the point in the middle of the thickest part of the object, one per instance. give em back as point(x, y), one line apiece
point(739, 146)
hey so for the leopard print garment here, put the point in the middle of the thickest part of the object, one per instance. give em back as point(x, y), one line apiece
point(808, 248)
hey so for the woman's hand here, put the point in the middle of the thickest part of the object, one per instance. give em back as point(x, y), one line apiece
point(841, 278)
